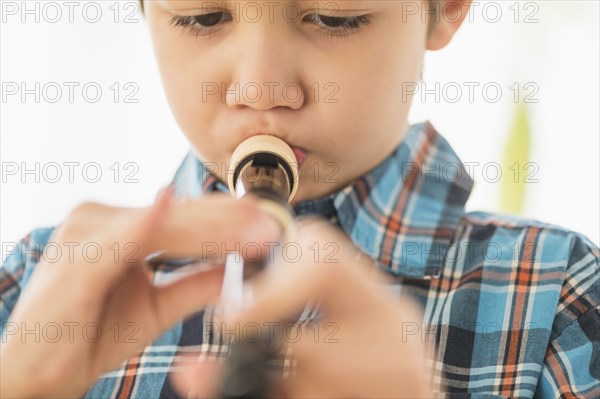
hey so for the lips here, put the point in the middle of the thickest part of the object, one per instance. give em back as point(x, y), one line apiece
point(246, 133)
point(300, 155)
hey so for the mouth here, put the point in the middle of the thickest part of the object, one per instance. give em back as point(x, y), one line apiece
point(300, 155)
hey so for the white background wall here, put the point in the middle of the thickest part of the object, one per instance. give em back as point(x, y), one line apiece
point(559, 54)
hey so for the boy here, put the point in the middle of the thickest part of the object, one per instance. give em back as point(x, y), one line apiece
point(510, 306)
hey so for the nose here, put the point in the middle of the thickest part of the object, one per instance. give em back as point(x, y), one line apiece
point(264, 75)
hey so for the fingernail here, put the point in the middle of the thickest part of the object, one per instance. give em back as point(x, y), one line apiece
point(265, 229)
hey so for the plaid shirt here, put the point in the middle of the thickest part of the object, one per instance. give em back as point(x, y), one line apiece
point(511, 305)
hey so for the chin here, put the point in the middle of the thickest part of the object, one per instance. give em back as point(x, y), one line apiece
point(303, 194)
point(308, 192)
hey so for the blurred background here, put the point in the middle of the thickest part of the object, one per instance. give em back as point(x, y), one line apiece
point(516, 92)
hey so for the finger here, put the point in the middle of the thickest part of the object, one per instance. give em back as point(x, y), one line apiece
point(119, 235)
point(314, 386)
point(199, 380)
point(177, 300)
point(341, 288)
point(213, 225)
point(205, 227)
point(152, 218)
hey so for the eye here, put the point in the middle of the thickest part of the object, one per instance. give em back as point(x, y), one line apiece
point(338, 26)
point(203, 24)
point(210, 19)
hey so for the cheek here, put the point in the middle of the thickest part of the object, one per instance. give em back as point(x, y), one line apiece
point(183, 85)
point(372, 111)
point(187, 77)
point(370, 118)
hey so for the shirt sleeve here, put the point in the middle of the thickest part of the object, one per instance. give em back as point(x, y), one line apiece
point(18, 263)
point(571, 366)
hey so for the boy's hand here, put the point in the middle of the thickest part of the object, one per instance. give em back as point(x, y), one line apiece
point(97, 307)
point(371, 348)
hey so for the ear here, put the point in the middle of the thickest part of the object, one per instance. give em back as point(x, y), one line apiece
point(447, 19)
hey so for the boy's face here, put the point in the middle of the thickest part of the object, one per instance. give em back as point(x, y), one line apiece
point(330, 86)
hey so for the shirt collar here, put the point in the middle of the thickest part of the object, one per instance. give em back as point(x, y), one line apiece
point(403, 213)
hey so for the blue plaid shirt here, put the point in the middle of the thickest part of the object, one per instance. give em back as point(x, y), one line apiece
point(511, 305)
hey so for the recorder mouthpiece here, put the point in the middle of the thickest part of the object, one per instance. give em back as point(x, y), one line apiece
point(266, 166)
